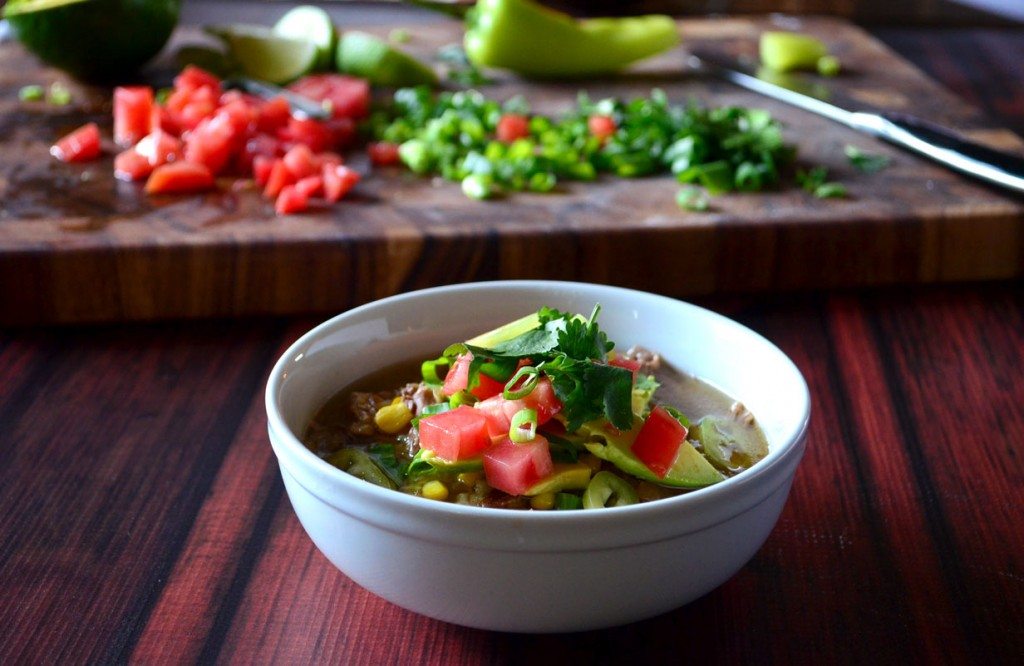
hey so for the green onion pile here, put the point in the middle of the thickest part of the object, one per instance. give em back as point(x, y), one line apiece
point(452, 134)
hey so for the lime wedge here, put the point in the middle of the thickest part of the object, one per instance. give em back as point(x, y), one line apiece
point(312, 23)
point(262, 54)
point(93, 39)
point(361, 54)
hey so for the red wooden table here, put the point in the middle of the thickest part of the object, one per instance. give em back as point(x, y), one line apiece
point(143, 515)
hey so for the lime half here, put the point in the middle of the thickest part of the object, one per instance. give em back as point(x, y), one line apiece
point(261, 53)
point(361, 54)
point(313, 24)
point(93, 39)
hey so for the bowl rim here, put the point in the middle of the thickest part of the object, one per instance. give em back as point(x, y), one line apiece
point(290, 450)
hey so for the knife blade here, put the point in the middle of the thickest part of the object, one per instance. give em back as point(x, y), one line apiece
point(906, 131)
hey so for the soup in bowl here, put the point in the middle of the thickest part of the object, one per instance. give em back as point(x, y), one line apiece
point(609, 525)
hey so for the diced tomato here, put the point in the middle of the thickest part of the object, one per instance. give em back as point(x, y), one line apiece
point(458, 378)
point(179, 177)
point(657, 444)
point(256, 146)
point(159, 147)
point(130, 165)
point(513, 468)
point(512, 126)
point(310, 186)
point(165, 120)
point(133, 114)
point(261, 168)
point(601, 126)
point(313, 133)
point(383, 153)
point(349, 97)
point(212, 143)
point(338, 180)
point(193, 78)
point(329, 157)
point(291, 200)
point(455, 435)
point(301, 162)
point(627, 364)
point(273, 115)
point(240, 114)
point(499, 411)
point(278, 179)
point(81, 145)
point(191, 107)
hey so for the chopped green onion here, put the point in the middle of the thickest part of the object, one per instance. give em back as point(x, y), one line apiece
point(430, 410)
point(532, 376)
point(864, 161)
point(454, 349)
point(830, 191)
point(828, 65)
point(524, 426)
point(399, 36)
point(567, 502)
point(478, 186)
point(462, 398)
point(692, 199)
point(31, 93)
point(429, 371)
point(58, 94)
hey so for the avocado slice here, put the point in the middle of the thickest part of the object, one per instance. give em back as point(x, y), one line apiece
point(689, 470)
point(566, 476)
point(505, 332)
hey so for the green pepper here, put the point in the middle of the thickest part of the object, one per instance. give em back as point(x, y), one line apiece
point(536, 41)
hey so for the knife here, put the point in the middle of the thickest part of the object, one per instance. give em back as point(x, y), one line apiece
point(904, 130)
point(301, 106)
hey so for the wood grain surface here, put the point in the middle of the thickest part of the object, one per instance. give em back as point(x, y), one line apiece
point(145, 518)
point(76, 245)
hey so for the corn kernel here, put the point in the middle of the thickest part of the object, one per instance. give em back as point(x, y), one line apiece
point(435, 490)
point(393, 418)
point(543, 501)
point(468, 478)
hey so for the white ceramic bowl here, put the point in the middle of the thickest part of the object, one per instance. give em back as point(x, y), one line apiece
point(536, 571)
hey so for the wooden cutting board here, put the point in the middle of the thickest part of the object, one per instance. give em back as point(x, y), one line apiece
point(77, 245)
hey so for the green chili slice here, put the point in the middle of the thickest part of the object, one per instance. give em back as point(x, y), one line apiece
point(429, 371)
point(606, 489)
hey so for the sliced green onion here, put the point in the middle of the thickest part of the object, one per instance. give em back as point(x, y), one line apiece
point(567, 502)
point(428, 369)
point(532, 375)
point(524, 426)
point(31, 93)
point(430, 410)
point(478, 186)
point(58, 95)
point(462, 398)
point(453, 350)
point(829, 65)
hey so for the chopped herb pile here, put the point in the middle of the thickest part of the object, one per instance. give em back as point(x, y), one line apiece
point(816, 182)
point(864, 161)
point(460, 135)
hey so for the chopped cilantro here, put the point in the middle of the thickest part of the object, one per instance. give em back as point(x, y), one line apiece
point(864, 161)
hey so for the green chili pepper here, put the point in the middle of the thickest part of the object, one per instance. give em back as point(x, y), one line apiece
point(534, 40)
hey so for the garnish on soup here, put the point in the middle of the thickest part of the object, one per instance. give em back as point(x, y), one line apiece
point(540, 413)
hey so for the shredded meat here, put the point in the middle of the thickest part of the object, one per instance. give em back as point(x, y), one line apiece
point(742, 414)
point(418, 395)
point(649, 361)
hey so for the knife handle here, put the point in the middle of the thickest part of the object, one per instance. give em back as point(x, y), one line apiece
point(945, 147)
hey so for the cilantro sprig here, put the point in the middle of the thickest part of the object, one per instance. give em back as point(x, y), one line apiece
point(571, 352)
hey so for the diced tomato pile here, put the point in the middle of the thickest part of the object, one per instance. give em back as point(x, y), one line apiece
point(201, 132)
point(468, 432)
